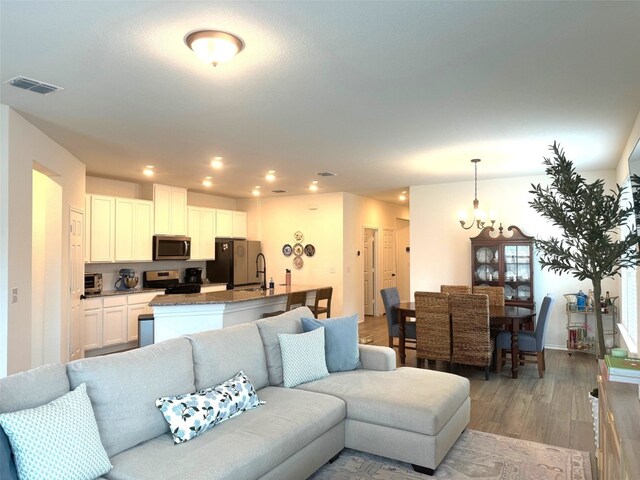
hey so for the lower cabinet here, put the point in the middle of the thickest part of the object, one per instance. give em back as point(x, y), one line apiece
point(113, 320)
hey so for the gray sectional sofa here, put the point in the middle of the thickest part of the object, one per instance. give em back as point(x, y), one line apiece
point(408, 414)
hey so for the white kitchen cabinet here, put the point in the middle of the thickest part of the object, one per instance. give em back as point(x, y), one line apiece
point(87, 228)
point(224, 223)
point(114, 320)
point(170, 210)
point(134, 230)
point(230, 224)
point(239, 225)
point(92, 323)
point(137, 304)
point(201, 229)
point(102, 228)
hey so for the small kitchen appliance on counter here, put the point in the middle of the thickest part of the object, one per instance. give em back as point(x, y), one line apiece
point(193, 275)
point(160, 278)
point(127, 280)
point(92, 283)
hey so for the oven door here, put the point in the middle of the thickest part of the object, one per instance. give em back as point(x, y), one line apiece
point(171, 247)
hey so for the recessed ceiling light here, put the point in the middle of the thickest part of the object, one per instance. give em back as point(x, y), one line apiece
point(270, 176)
point(216, 163)
point(313, 187)
point(315, 182)
point(148, 170)
point(402, 197)
point(255, 192)
point(213, 46)
point(206, 182)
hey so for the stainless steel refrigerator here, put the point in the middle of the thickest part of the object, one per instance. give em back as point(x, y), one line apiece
point(235, 263)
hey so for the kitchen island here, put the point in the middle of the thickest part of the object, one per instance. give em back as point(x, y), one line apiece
point(176, 315)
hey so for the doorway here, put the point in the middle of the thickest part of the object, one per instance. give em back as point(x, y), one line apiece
point(403, 258)
point(369, 254)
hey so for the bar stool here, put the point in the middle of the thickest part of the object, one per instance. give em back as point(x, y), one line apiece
point(322, 294)
point(294, 300)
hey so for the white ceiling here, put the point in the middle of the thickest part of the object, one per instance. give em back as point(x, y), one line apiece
point(385, 94)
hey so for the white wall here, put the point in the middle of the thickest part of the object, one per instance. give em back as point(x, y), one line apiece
point(441, 250)
point(22, 145)
point(361, 212)
point(319, 218)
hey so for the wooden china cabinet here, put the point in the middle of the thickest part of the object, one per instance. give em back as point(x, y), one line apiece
point(504, 261)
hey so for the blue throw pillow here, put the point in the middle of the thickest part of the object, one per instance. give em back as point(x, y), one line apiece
point(340, 341)
point(7, 465)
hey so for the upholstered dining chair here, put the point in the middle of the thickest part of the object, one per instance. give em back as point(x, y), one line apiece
point(495, 294)
point(322, 295)
point(530, 344)
point(455, 289)
point(390, 298)
point(471, 341)
point(433, 327)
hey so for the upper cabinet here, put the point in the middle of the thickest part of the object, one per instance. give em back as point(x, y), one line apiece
point(202, 230)
point(231, 224)
point(120, 229)
point(170, 209)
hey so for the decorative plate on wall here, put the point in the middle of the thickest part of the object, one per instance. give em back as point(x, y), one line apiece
point(298, 236)
point(298, 262)
point(309, 250)
point(298, 249)
point(286, 250)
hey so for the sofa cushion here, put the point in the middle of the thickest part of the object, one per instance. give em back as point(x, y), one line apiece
point(303, 357)
point(57, 440)
point(33, 388)
point(123, 388)
point(220, 354)
point(28, 389)
point(341, 341)
point(407, 398)
point(192, 414)
point(288, 322)
point(247, 446)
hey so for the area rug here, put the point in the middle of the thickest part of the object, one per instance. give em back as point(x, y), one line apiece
point(476, 455)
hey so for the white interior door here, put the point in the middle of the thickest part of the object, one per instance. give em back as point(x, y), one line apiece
point(369, 271)
point(388, 259)
point(76, 282)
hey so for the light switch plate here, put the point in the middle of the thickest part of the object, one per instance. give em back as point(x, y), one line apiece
point(14, 295)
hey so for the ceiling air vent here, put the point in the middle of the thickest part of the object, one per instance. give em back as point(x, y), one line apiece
point(326, 174)
point(279, 191)
point(33, 85)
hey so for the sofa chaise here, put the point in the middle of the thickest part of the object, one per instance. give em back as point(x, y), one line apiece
point(408, 414)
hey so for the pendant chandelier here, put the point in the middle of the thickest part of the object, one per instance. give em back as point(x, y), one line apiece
point(479, 216)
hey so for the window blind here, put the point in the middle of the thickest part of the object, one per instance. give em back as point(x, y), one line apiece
point(629, 300)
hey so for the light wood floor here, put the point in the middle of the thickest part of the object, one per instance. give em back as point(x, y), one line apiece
point(554, 410)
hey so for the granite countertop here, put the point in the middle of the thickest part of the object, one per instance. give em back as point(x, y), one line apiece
point(109, 293)
point(229, 296)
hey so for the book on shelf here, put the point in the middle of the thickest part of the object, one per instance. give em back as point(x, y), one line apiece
point(624, 379)
point(623, 367)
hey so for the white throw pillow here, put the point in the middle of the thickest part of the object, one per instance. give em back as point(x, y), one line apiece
point(303, 357)
point(57, 440)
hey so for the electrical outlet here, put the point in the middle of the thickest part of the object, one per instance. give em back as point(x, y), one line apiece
point(14, 295)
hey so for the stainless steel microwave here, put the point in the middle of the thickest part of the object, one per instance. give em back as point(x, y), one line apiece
point(171, 247)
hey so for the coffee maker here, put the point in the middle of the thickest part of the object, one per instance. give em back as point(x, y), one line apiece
point(127, 279)
point(193, 275)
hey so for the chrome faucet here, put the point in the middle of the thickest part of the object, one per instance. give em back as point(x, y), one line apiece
point(263, 285)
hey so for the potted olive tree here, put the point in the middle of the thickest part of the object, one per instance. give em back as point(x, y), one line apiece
point(595, 243)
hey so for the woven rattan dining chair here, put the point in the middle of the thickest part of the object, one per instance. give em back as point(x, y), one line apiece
point(471, 341)
point(529, 343)
point(455, 289)
point(433, 327)
point(495, 294)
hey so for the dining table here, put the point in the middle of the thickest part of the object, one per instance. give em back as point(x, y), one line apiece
point(509, 315)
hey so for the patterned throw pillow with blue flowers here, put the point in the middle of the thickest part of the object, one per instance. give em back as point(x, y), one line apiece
point(190, 414)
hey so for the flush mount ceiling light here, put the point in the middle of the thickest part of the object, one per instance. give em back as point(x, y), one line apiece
point(479, 216)
point(213, 46)
point(207, 182)
point(256, 191)
point(216, 163)
point(148, 170)
point(270, 176)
